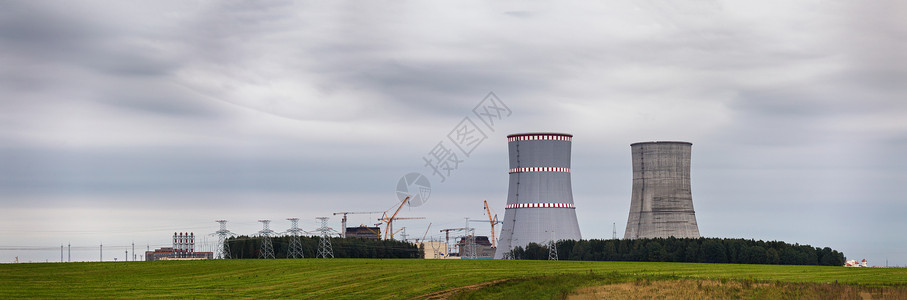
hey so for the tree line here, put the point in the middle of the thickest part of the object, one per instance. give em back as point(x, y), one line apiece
point(250, 247)
point(705, 250)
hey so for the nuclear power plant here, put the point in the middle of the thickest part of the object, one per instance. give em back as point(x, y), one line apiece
point(661, 204)
point(540, 197)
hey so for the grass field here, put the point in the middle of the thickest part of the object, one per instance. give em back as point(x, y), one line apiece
point(386, 278)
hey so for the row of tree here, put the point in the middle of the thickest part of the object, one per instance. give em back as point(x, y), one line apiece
point(708, 250)
point(250, 247)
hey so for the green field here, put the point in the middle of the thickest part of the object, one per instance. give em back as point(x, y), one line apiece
point(380, 278)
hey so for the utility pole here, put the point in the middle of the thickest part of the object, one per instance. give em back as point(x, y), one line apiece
point(127, 256)
point(61, 252)
point(102, 251)
point(133, 250)
point(69, 252)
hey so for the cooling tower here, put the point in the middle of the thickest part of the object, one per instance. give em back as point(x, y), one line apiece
point(661, 204)
point(540, 198)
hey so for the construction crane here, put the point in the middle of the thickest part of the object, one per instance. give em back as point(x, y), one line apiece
point(425, 234)
point(391, 227)
point(390, 220)
point(493, 221)
point(377, 233)
point(343, 221)
point(446, 232)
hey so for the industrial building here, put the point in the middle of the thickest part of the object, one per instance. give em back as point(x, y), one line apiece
point(364, 232)
point(435, 250)
point(540, 196)
point(661, 204)
point(482, 246)
point(183, 248)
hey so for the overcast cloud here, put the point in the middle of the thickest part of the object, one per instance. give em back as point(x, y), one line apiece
point(123, 122)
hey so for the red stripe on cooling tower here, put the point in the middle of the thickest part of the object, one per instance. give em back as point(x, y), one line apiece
point(540, 137)
point(540, 169)
point(540, 205)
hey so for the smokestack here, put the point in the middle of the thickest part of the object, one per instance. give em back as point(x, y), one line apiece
point(540, 198)
point(661, 204)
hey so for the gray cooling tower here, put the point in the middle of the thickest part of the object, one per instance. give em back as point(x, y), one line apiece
point(540, 199)
point(661, 205)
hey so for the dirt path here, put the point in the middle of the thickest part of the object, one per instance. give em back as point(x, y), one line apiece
point(445, 294)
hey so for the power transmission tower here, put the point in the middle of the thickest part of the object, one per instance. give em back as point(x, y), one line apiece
point(325, 249)
point(614, 231)
point(267, 249)
point(223, 251)
point(552, 248)
point(471, 244)
point(295, 244)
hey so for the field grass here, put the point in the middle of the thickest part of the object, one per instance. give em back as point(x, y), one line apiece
point(622, 286)
point(717, 289)
point(380, 278)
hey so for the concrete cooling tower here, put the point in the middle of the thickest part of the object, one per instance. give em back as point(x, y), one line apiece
point(661, 204)
point(540, 198)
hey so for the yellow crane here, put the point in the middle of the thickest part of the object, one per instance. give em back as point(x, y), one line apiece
point(397, 219)
point(343, 221)
point(494, 221)
point(425, 234)
point(390, 220)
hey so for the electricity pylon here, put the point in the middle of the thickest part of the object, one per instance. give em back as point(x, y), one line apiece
point(267, 249)
point(295, 244)
point(325, 250)
point(552, 248)
point(223, 250)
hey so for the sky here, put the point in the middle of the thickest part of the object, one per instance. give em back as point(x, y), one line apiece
point(122, 122)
